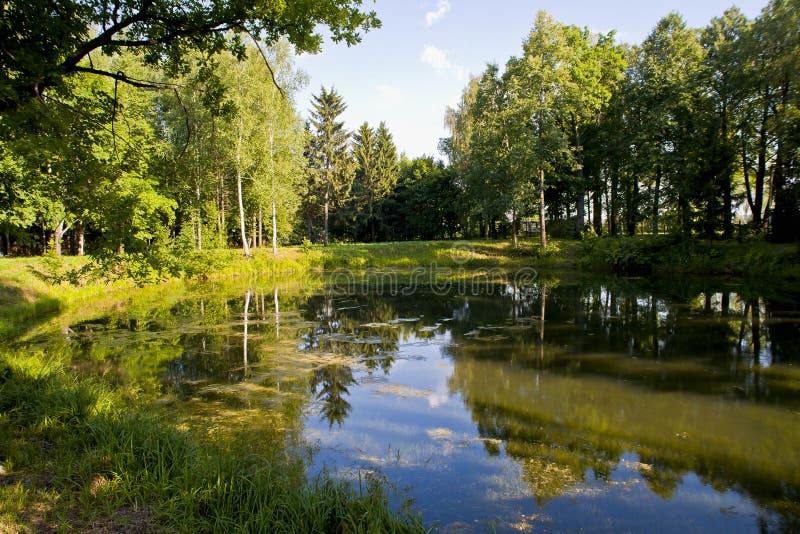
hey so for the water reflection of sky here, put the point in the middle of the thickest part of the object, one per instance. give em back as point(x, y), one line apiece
point(415, 430)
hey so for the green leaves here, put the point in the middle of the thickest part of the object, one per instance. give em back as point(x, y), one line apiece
point(42, 42)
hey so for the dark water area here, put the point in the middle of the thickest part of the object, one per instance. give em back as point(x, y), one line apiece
point(604, 404)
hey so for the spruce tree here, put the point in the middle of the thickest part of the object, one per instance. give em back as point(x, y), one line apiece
point(329, 152)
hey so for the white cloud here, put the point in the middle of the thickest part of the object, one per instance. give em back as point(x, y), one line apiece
point(390, 95)
point(442, 8)
point(438, 60)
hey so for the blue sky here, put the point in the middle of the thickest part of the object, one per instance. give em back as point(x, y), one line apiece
point(408, 71)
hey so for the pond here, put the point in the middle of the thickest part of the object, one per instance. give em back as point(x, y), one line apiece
point(559, 403)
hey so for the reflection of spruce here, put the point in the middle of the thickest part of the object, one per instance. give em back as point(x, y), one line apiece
point(333, 381)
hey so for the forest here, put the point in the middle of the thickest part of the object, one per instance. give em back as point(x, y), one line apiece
point(157, 136)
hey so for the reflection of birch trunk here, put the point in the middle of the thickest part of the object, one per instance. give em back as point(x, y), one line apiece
point(246, 318)
point(277, 316)
point(742, 327)
point(756, 330)
point(542, 309)
point(263, 307)
point(515, 301)
point(654, 326)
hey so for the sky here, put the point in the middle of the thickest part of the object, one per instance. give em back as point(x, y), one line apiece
point(407, 72)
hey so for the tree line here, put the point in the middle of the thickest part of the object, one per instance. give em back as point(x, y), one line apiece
point(690, 132)
point(173, 134)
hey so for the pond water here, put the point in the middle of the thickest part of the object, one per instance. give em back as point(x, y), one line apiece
point(557, 404)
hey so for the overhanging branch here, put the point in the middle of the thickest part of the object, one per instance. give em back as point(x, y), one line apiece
point(122, 77)
point(266, 62)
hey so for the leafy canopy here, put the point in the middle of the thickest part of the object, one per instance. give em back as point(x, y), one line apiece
point(42, 41)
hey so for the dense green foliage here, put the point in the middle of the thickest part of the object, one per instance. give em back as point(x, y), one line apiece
point(687, 133)
point(693, 132)
point(44, 43)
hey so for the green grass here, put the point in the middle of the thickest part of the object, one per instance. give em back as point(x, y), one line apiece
point(78, 455)
point(675, 254)
point(29, 292)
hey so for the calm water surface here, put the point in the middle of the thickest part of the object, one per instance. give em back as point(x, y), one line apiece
point(600, 404)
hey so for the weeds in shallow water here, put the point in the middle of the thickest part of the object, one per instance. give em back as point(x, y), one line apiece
point(75, 454)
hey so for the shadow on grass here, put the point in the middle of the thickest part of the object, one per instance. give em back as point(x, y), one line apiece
point(22, 310)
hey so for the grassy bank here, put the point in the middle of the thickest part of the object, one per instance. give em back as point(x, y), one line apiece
point(675, 254)
point(79, 455)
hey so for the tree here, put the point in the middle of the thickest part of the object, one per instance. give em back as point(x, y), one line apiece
point(328, 150)
point(776, 33)
point(722, 42)
point(665, 76)
point(594, 68)
point(424, 204)
point(535, 98)
point(375, 157)
point(45, 42)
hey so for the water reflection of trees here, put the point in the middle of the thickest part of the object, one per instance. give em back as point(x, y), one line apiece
point(356, 327)
point(563, 431)
point(709, 340)
point(329, 385)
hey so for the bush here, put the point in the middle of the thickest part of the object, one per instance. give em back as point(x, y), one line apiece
point(632, 255)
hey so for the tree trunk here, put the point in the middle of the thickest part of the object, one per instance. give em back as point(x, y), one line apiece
point(542, 231)
point(81, 239)
point(597, 211)
point(199, 233)
point(58, 235)
point(242, 223)
point(199, 219)
point(761, 169)
point(272, 192)
point(221, 225)
point(631, 208)
point(514, 228)
point(727, 193)
point(327, 208)
point(260, 228)
point(580, 221)
point(656, 192)
point(784, 215)
point(613, 208)
point(274, 229)
point(746, 172)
